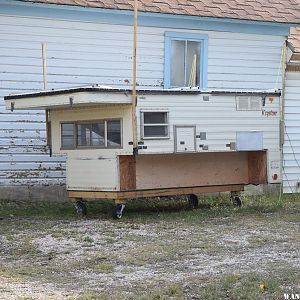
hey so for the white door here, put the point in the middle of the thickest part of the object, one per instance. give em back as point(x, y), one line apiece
point(185, 138)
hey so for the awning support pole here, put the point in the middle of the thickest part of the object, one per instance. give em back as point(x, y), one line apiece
point(134, 96)
point(45, 88)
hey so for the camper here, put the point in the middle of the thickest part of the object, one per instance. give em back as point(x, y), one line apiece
point(187, 141)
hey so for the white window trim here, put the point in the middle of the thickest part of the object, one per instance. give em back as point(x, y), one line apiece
point(160, 124)
point(203, 64)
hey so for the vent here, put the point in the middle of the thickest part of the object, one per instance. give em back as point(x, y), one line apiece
point(248, 103)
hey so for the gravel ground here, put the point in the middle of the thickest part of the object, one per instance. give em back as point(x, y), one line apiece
point(175, 255)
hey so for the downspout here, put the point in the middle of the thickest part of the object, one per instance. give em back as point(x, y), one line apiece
point(134, 96)
point(282, 115)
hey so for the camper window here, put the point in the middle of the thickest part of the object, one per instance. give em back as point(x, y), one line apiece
point(155, 124)
point(96, 134)
point(67, 135)
point(91, 134)
point(114, 133)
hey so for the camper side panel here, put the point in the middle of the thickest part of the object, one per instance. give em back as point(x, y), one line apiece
point(91, 168)
point(214, 121)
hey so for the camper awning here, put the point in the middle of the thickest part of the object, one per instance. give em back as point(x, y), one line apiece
point(102, 95)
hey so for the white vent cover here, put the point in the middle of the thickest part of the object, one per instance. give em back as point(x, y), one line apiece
point(249, 141)
point(253, 103)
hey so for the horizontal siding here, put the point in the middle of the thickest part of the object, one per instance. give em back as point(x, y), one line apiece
point(217, 117)
point(81, 53)
point(291, 149)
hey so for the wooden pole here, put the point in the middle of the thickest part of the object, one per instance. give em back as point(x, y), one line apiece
point(44, 66)
point(282, 115)
point(45, 88)
point(134, 96)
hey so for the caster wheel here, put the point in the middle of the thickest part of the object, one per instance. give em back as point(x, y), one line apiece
point(118, 211)
point(81, 208)
point(193, 201)
point(236, 201)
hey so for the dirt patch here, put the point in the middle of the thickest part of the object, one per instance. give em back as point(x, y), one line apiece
point(71, 258)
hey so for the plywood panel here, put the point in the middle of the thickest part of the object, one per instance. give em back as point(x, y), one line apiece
point(127, 169)
point(257, 163)
point(185, 170)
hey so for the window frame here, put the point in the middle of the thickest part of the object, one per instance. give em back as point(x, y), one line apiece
point(61, 135)
point(165, 124)
point(203, 63)
point(76, 123)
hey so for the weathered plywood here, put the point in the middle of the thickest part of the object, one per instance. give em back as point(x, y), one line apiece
point(257, 164)
point(186, 170)
point(127, 171)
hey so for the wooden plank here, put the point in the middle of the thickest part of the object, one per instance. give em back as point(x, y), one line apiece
point(127, 167)
point(92, 194)
point(293, 68)
point(257, 167)
point(96, 195)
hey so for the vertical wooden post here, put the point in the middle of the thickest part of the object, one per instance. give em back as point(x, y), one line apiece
point(45, 88)
point(134, 96)
point(44, 66)
point(282, 115)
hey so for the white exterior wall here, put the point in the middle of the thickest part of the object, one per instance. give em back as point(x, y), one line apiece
point(291, 149)
point(89, 169)
point(220, 119)
point(80, 53)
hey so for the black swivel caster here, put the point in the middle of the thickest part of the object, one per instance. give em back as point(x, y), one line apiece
point(236, 201)
point(193, 201)
point(118, 211)
point(81, 208)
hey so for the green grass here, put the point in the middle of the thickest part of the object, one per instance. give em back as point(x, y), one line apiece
point(155, 235)
point(152, 209)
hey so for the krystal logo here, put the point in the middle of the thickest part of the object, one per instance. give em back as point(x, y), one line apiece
point(291, 296)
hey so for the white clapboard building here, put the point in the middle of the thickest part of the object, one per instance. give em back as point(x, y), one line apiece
point(219, 48)
point(291, 150)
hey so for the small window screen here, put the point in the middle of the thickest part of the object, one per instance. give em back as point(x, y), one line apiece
point(92, 134)
point(67, 135)
point(98, 134)
point(84, 134)
point(114, 133)
point(155, 124)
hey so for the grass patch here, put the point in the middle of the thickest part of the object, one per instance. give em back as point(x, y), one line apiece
point(159, 250)
point(250, 286)
point(156, 208)
point(100, 264)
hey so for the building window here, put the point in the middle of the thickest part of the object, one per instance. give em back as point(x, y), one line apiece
point(185, 60)
point(96, 134)
point(155, 124)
